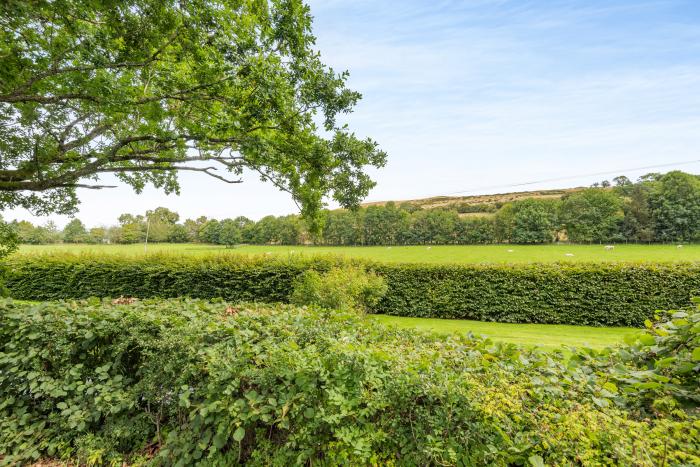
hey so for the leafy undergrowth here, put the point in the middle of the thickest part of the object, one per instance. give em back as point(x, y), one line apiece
point(183, 382)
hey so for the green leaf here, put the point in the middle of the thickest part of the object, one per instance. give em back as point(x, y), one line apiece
point(239, 434)
point(647, 339)
point(536, 461)
point(220, 440)
point(696, 354)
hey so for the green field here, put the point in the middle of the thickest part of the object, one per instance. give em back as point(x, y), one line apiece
point(413, 254)
point(547, 336)
point(541, 335)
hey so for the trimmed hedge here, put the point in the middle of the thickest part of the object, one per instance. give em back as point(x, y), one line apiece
point(186, 382)
point(605, 294)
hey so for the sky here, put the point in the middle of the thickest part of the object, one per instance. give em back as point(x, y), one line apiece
point(486, 96)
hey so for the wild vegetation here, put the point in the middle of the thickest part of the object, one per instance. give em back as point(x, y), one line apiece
point(187, 382)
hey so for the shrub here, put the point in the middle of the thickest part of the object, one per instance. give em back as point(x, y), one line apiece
point(606, 294)
point(669, 355)
point(191, 382)
point(341, 288)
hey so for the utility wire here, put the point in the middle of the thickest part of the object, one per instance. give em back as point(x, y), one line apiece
point(573, 177)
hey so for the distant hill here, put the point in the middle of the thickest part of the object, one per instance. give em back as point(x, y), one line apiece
point(478, 204)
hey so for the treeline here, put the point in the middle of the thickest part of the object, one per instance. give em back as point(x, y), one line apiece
point(655, 208)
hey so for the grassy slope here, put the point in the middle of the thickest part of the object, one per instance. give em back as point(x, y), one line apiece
point(544, 335)
point(442, 201)
point(434, 254)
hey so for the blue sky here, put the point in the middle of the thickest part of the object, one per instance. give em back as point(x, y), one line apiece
point(474, 96)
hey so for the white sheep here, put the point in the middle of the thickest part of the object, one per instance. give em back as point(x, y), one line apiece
point(569, 254)
point(510, 251)
point(609, 247)
point(679, 246)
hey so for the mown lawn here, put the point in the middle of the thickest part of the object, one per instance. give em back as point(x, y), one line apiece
point(413, 254)
point(544, 335)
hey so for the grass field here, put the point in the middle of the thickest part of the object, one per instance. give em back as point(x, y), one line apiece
point(542, 335)
point(434, 254)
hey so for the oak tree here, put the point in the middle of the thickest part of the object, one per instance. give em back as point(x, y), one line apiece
point(144, 89)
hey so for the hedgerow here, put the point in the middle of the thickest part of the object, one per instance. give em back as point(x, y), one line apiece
point(188, 382)
point(606, 294)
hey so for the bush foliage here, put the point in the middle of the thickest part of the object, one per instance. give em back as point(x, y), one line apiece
point(341, 288)
point(588, 294)
point(191, 382)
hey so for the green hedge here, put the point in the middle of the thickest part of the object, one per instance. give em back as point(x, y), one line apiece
point(606, 294)
point(198, 383)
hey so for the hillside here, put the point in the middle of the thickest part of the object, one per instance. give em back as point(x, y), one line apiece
point(478, 201)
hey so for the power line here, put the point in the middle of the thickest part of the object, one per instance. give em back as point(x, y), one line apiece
point(572, 177)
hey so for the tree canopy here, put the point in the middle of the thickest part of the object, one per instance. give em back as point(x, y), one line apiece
point(145, 89)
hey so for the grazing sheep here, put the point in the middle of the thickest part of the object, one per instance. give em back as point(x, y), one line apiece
point(609, 247)
point(510, 251)
point(429, 248)
point(569, 254)
point(679, 246)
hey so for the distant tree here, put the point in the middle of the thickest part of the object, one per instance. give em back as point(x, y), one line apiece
point(24, 230)
point(75, 232)
point(178, 233)
point(210, 231)
point(289, 230)
point(434, 226)
point(193, 227)
point(528, 221)
point(675, 207)
point(650, 177)
point(160, 222)
point(265, 230)
point(476, 230)
point(341, 227)
point(637, 224)
point(592, 215)
point(605, 184)
point(97, 235)
point(622, 181)
point(132, 229)
point(383, 224)
point(503, 223)
point(229, 233)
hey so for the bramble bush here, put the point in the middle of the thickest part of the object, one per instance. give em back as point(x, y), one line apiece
point(348, 288)
point(606, 294)
point(190, 382)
